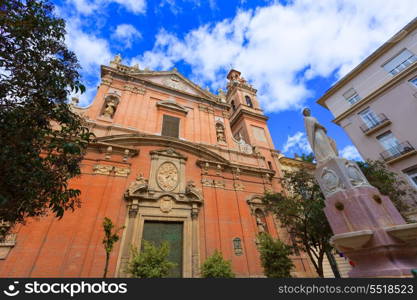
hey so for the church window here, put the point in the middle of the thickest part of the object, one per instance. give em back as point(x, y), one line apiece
point(270, 165)
point(237, 246)
point(248, 101)
point(170, 126)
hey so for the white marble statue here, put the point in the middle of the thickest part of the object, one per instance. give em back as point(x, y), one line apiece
point(324, 147)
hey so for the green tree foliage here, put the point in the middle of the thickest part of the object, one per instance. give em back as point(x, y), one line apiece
point(42, 140)
point(275, 257)
point(215, 266)
point(389, 184)
point(110, 238)
point(151, 262)
point(307, 157)
point(300, 210)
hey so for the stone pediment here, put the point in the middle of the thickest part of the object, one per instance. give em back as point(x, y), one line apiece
point(169, 152)
point(171, 104)
point(175, 81)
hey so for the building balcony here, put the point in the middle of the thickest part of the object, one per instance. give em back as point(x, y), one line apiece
point(398, 152)
point(379, 122)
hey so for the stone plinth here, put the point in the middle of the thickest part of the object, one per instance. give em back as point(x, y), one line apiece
point(368, 228)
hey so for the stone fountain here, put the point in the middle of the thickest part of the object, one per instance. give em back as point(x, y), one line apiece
point(367, 227)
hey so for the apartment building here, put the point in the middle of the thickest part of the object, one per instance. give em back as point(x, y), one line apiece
point(376, 104)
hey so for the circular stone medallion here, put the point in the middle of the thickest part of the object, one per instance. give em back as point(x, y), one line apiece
point(167, 176)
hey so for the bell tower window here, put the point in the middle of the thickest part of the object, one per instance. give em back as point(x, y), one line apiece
point(248, 101)
point(233, 105)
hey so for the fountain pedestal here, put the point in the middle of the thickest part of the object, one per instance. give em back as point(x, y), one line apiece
point(367, 227)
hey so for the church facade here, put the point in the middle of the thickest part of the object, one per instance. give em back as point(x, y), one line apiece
point(171, 162)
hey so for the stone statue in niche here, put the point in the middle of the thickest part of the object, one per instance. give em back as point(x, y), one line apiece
point(221, 95)
point(110, 108)
point(260, 224)
point(220, 133)
point(324, 147)
point(260, 220)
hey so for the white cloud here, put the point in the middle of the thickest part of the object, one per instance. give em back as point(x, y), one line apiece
point(125, 34)
point(297, 143)
point(278, 48)
point(134, 6)
point(91, 50)
point(350, 152)
point(87, 7)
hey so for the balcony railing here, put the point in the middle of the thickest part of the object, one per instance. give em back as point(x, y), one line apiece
point(397, 151)
point(379, 120)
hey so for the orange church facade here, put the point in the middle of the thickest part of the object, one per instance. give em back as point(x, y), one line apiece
point(170, 158)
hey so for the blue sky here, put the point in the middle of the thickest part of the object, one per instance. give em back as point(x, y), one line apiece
point(291, 51)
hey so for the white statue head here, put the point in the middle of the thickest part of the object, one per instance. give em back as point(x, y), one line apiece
point(306, 112)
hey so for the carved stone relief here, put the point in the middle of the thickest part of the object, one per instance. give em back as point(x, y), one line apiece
point(103, 169)
point(355, 175)
point(219, 184)
point(238, 186)
point(167, 171)
point(207, 182)
point(167, 176)
point(166, 204)
point(330, 181)
point(122, 172)
point(111, 170)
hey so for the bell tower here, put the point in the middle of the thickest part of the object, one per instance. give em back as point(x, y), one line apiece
point(247, 119)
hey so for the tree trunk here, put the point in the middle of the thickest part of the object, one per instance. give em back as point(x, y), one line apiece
point(106, 265)
point(315, 263)
point(333, 264)
point(320, 264)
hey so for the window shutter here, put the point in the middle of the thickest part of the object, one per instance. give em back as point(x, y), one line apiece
point(170, 126)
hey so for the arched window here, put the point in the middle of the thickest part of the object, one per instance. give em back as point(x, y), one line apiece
point(233, 105)
point(248, 101)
